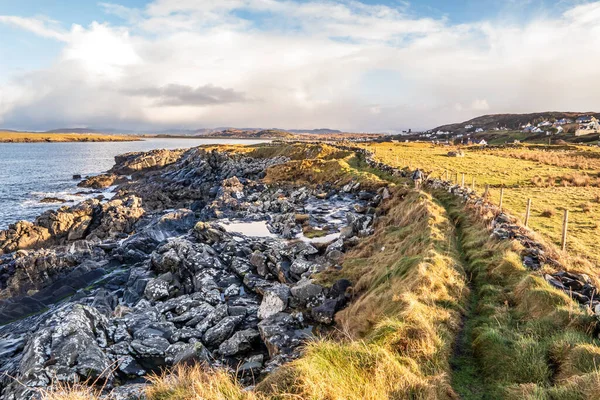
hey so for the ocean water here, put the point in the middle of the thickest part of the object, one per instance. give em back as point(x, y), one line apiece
point(31, 171)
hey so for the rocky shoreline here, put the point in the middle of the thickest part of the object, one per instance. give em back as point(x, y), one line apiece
point(111, 290)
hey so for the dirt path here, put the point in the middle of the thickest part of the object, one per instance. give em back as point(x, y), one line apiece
point(466, 380)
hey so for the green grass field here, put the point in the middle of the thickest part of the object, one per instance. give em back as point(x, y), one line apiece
point(550, 176)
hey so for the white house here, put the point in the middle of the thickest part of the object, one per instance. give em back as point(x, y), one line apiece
point(559, 129)
point(468, 126)
point(588, 128)
point(479, 130)
point(483, 142)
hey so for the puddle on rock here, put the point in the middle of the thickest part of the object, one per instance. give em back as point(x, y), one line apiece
point(248, 228)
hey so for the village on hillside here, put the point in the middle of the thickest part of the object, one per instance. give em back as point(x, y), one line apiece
point(472, 134)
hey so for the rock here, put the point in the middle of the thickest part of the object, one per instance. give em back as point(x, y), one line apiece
point(129, 163)
point(325, 312)
point(99, 181)
point(221, 331)
point(156, 289)
point(70, 341)
point(275, 300)
point(190, 354)
point(150, 353)
point(240, 342)
point(306, 291)
point(52, 200)
point(135, 391)
point(279, 334)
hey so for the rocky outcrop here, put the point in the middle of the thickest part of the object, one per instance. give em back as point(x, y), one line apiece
point(99, 181)
point(130, 163)
point(111, 291)
point(91, 219)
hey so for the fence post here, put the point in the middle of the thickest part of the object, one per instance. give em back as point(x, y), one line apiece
point(462, 182)
point(527, 212)
point(501, 198)
point(486, 191)
point(473, 183)
point(564, 230)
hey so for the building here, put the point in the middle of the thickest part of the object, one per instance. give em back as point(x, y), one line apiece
point(584, 119)
point(593, 126)
point(483, 142)
point(479, 130)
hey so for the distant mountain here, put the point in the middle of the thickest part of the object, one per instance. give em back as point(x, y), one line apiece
point(509, 121)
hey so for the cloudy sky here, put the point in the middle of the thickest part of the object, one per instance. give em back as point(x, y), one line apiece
point(370, 65)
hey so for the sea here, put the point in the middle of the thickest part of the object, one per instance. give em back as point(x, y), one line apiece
point(30, 172)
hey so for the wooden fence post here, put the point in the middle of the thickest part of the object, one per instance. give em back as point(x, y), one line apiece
point(473, 183)
point(462, 182)
point(564, 230)
point(501, 197)
point(527, 213)
point(486, 192)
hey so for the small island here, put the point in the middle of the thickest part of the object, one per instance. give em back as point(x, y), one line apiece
point(35, 137)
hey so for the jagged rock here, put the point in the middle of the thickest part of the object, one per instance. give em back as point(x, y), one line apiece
point(156, 289)
point(275, 299)
point(137, 161)
point(240, 342)
point(325, 312)
point(305, 291)
point(221, 331)
point(99, 181)
point(191, 353)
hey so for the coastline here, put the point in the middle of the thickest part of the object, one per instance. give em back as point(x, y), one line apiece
point(32, 137)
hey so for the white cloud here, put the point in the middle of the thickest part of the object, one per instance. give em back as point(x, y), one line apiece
point(302, 64)
point(40, 26)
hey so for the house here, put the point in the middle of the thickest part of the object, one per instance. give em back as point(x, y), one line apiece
point(537, 130)
point(588, 128)
point(483, 142)
point(584, 119)
point(479, 130)
point(545, 123)
point(469, 126)
point(560, 129)
point(564, 121)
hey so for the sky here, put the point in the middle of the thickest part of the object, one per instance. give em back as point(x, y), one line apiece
point(362, 66)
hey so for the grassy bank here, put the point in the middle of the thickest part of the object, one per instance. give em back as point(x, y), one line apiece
point(33, 137)
point(525, 339)
point(396, 337)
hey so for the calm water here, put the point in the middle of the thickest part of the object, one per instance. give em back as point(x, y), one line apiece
point(31, 171)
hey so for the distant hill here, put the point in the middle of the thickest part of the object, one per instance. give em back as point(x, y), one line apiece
point(321, 131)
point(509, 121)
point(250, 134)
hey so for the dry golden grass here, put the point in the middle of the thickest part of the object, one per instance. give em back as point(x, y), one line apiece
point(196, 383)
point(30, 137)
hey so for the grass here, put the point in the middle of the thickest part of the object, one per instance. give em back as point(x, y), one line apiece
point(540, 174)
point(529, 340)
point(440, 310)
point(31, 137)
point(398, 333)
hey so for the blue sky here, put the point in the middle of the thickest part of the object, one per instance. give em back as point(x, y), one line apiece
point(389, 64)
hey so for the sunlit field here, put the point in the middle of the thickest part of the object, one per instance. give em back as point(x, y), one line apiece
point(555, 178)
point(29, 137)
